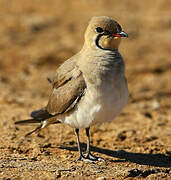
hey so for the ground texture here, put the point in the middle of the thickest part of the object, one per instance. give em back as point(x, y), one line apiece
point(35, 37)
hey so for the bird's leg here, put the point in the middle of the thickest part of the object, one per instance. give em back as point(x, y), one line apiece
point(81, 157)
point(89, 155)
point(88, 141)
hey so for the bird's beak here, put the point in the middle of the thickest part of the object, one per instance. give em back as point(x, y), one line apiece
point(121, 34)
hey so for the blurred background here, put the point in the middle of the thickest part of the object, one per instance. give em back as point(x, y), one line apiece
point(36, 36)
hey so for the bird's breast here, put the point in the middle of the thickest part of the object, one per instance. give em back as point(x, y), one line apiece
point(111, 97)
point(100, 104)
point(106, 93)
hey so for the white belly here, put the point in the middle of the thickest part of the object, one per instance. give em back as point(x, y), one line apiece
point(99, 105)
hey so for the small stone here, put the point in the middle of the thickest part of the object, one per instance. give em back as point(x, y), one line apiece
point(101, 178)
point(155, 105)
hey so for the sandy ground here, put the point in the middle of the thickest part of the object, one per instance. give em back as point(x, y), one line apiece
point(35, 37)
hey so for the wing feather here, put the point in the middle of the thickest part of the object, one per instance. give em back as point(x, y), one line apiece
point(68, 87)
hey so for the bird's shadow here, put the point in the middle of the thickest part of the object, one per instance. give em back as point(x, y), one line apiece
point(157, 160)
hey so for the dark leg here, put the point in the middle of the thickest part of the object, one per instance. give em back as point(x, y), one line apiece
point(89, 155)
point(81, 157)
point(88, 141)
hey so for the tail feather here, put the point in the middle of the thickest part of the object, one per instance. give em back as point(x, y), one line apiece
point(27, 121)
point(37, 129)
point(40, 116)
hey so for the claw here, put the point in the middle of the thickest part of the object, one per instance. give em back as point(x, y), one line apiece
point(89, 158)
point(94, 158)
point(85, 159)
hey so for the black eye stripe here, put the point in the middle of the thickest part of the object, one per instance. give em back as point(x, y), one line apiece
point(99, 29)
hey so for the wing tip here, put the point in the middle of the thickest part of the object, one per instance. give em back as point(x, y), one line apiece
point(26, 121)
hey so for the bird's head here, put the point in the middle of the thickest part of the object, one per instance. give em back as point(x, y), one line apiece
point(103, 33)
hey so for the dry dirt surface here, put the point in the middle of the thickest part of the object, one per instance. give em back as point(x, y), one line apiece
point(38, 35)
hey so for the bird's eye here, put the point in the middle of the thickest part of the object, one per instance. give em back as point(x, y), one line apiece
point(99, 29)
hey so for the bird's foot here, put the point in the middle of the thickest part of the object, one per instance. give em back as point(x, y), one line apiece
point(89, 158)
point(82, 158)
point(94, 158)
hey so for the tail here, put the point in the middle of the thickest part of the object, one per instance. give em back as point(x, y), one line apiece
point(27, 121)
point(40, 116)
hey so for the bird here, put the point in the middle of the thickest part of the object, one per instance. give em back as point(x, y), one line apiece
point(90, 88)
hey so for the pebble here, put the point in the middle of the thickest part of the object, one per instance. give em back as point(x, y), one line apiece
point(101, 178)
